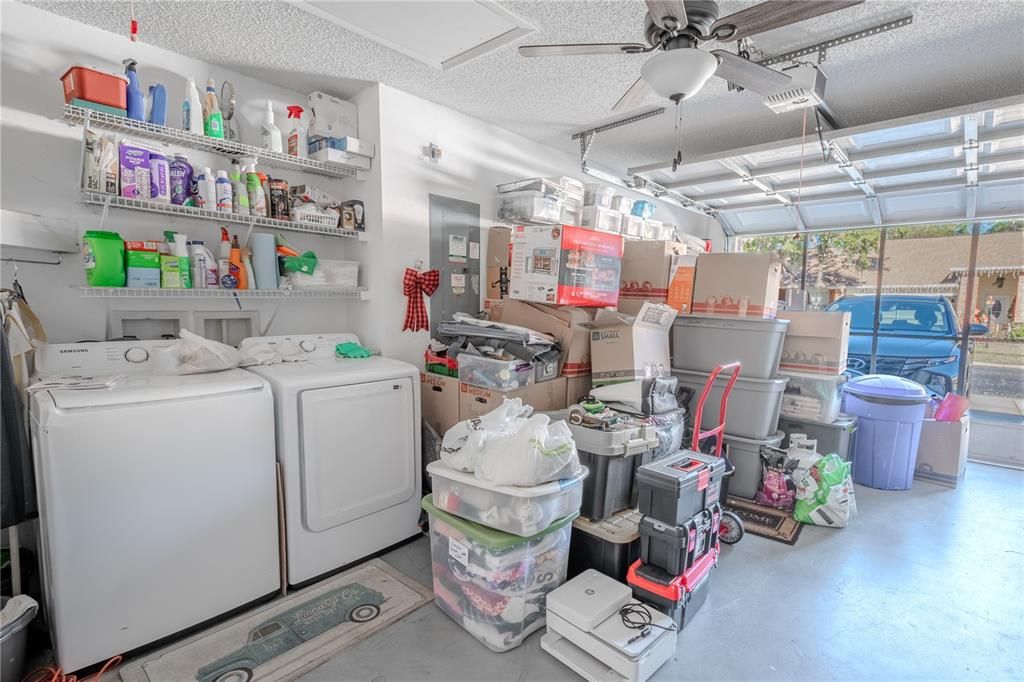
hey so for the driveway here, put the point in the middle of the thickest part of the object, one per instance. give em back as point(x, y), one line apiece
point(1005, 381)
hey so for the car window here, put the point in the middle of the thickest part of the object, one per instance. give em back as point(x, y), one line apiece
point(266, 631)
point(897, 316)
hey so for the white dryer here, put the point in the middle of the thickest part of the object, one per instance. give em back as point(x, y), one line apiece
point(348, 440)
point(158, 499)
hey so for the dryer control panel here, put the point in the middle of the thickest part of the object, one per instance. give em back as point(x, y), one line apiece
point(312, 345)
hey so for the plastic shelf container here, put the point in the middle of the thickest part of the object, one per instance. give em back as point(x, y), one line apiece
point(654, 229)
point(837, 437)
point(622, 204)
point(93, 85)
point(674, 549)
point(329, 274)
point(602, 219)
point(632, 226)
point(552, 186)
point(530, 206)
point(571, 215)
point(491, 583)
point(745, 455)
point(498, 375)
point(596, 194)
point(609, 545)
point(677, 596)
point(816, 397)
point(889, 413)
point(675, 488)
point(518, 510)
point(702, 343)
point(754, 404)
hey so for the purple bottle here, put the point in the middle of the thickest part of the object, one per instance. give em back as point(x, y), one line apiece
point(181, 181)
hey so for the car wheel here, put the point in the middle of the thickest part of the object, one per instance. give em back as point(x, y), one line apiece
point(364, 613)
point(236, 675)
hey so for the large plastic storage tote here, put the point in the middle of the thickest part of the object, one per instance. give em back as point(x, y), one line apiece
point(890, 411)
point(817, 397)
point(754, 404)
point(745, 455)
point(676, 487)
point(491, 583)
point(837, 437)
point(609, 545)
point(699, 344)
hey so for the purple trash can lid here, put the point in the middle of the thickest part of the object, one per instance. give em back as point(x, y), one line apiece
point(886, 388)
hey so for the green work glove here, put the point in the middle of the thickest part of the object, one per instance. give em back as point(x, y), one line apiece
point(350, 349)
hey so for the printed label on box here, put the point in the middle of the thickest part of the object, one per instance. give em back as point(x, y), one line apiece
point(458, 551)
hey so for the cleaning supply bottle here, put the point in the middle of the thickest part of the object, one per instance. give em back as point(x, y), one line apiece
point(257, 199)
point(136, 99)
point(103, 258)
point(224, 193)
point(271, 134)
point(297, 145)
point(157, 105)
point(206, 194)
point(192, 109)
point(224, 261)
point(250, 275)
point(239, 194)
point(181, 181)
point(203, 264)
point(213, 119)
point(236, 269)
point(159, 177)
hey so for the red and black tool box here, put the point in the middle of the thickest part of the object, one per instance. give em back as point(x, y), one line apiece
point(675, 548)
point(674, 488)
point(678, 597)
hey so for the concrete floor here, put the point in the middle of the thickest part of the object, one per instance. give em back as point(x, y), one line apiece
point(923, 585)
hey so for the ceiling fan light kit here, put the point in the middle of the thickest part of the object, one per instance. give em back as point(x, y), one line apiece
point(679, 74)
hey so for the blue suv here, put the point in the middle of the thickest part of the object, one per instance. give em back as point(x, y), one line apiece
point(918, 338)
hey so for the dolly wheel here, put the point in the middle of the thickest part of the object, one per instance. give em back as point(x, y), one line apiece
point(730, 528)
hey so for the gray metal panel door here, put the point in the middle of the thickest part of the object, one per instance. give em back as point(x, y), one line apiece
point(455, 251)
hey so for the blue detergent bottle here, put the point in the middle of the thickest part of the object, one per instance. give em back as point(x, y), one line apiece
point(136, 99)
point(158, 104)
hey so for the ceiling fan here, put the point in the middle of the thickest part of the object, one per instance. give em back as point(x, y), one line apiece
point(675, 31)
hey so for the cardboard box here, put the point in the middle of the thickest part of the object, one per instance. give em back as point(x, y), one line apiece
point(497, 282)
point(475, 401)
point(646, 273)
point(626, 347)
point(565, 265)
point(942, 451)
point(737, 285)
point(680, 285)
point(331, 116)
point(439, 401)
point(565, 323)
point(577, 388)
point(816, 341)
point(499, 247)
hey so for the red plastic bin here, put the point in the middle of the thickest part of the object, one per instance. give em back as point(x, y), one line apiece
point(93, 85)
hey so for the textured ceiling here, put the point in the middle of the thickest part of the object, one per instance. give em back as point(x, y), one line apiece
point(955, 52)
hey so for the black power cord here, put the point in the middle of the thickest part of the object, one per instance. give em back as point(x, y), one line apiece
point(637, 616)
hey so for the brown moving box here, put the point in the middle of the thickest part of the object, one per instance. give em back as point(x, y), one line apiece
point(737, 285)
point(565, 323)
point(439, 401)
point(680, 283)
point(577, 388)
point(499, 247)
point(816, 341)
point(646, 273)
point(547, 395)
point(942, 451)
point(626, 347)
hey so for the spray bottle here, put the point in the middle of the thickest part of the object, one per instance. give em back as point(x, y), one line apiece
point(270, 133)
point(136, 99)
point(297, 135)
point(236, 268)
point(213, 119)
point(192, 109)
point(204, 266)
point(224, 261)
point(257, 198)
point(239, 194)
point(206, 194)
point(224, 194)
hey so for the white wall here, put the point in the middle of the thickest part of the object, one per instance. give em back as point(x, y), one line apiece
point(41, 162)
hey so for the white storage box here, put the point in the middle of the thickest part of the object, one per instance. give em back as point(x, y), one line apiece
point(621, 204)
point(571, 216)
point(603, 219)
point(331, 116)
point(596, 194)
point(573, 186)
point(521, 511)
point(329, 274)
point(531, 206)
point(493, 584)
point(551, 186)
point(500, 375)
point(654, 229)
point(632, 226)
point(816, 397)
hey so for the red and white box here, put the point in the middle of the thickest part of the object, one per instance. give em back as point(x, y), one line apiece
point(565, 265)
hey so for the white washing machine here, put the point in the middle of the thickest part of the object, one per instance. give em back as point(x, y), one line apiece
point(348, 440)
point(158, 498)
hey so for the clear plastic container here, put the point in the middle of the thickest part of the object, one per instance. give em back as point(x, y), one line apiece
point(493, 584)
point(631, 226)
point(542, 185)
point(329, 274)
point(603, 219)
point(573, 202)
point(596, 194)
point(531, 206)
point(654, 229)
point(518, 510)
point(573, 186)
point(499, 375)
point(622, 204)
point(571, 216)
point(816, 397)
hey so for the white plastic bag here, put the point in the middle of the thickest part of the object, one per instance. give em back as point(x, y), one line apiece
point(192, 354)
point(538, 452)
point(463, 443)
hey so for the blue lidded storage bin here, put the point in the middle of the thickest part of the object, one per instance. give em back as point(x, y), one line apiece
point(890, 411)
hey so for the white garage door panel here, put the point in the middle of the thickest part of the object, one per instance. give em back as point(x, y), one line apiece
point(906, 133)
point(941, 205)
point(767, 220)
point(836, 214)
point(1001, 199)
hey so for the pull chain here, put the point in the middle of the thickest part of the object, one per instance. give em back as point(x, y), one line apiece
point(678, 159)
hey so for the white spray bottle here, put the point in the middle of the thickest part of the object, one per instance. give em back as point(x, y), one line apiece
point(271, 134)
point(192, 109)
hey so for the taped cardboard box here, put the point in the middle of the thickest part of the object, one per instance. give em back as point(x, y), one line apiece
point(577, 388)
point(565, 323)
point(942, 451)
point(680, 286)
point(626, 347)
point(475, 401)
point(737, 285)
point(565, 265)
point(497, 282)
point(646, 273)
point(499, 247)
point(816, 341)
point(439, 401)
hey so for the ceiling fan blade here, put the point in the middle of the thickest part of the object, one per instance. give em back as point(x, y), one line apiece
point(748, 74)
point(580, 49)
point(773, 14)
point(634, 97)
point(667, 14)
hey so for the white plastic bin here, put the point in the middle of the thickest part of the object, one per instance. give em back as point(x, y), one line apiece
point(603, 219)
point(814, 397)
point(531, 206)
point(699, 344)
point(498, 375)
point(632, 226)
point(753, 403)
point(570, 215)
point(654, 229)
point(745, 455)
point(328, 274)
point(491, 583)
point(596, 194)
point(512, 509)
point(622, 204)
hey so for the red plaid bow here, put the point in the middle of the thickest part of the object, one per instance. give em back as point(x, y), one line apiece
point(414, 285)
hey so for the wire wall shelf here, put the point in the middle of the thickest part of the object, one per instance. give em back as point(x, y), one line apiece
point(216, 216)
point(353, 294)
point(352, 168)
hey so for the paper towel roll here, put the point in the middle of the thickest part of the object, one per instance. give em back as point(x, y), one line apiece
point(264, 260)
